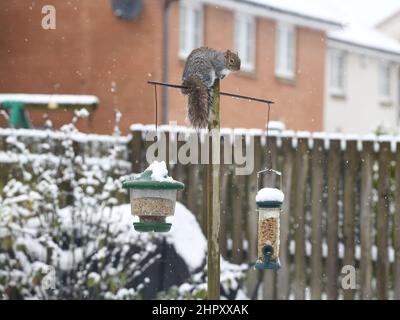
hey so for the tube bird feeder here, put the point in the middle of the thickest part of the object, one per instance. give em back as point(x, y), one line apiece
point(269, 205)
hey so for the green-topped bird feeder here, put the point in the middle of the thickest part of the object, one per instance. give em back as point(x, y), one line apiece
point(269, 205)
point(153, 197)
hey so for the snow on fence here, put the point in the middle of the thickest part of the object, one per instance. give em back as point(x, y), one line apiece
point(342, 207)
point(26, 153)
point(342, 203)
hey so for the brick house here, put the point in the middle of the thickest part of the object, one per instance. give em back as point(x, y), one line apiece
point(283, 53)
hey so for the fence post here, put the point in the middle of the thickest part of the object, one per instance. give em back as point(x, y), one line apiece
point(396, 228)
point(299, 234)
point(213, 201)
point(382, 275)
point(334, 159)
point(366, 221)
point(350, 175)
point(283, 275)
point(317, 191)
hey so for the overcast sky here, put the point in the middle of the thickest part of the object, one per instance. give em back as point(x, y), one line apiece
point(366, 12)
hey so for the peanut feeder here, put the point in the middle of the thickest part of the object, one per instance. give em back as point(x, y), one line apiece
point(269, 203)
point(153, 197)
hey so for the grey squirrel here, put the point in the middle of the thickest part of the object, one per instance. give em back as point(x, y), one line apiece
point(202, 67)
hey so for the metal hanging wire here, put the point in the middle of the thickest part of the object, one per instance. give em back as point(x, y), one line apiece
point(233, 95)
point(268, 155)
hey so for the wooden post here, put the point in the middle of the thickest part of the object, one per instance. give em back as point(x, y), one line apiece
point(366, 223)
point(302, 164)
point(283, 275)
point(396, 228)
point(351, 160)
point(213, 201)
point(332, 263)
point(382, 223)
point(317, 190)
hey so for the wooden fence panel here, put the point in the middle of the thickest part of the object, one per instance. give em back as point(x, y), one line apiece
point(366, 221)
point(283, 280)
point(253, 275)
point(334, 160)
point(317, 191)
point(270, 161)
point(382, 223)
point(351, 161)
point(302, 164)
point(322, 186)
point(396, 226)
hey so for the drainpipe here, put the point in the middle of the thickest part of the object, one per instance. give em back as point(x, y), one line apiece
point(165, 60)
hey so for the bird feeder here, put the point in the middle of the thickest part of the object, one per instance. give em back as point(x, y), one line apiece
point(269, 203)
point(153, 197)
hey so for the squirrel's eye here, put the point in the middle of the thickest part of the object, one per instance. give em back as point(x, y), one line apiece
point(231, 61)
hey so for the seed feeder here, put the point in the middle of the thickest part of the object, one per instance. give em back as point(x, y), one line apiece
point(153, 197)
point(269, 203)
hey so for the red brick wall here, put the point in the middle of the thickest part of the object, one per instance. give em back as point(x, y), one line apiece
point(299, 104)
point(91, 48)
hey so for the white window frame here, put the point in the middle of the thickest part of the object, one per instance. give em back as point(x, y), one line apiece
point(384, 82)
point(245, 44)
point(285, 57)
point(188, 27)
point(337, 72)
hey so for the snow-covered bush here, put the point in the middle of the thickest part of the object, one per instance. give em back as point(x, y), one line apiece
point(55, 222)
point(232, 279)
point(65, 233)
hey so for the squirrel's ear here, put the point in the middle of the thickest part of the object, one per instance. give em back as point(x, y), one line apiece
point(227, 53)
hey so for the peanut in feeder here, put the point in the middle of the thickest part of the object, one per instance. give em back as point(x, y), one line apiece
point(269, 202)
point(153, 197)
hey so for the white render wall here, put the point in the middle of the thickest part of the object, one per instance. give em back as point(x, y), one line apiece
point(360, 110)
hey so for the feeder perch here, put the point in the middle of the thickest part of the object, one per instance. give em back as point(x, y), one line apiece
point(153, 197)
point(269, 203)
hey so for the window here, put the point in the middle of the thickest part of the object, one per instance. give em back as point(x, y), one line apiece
point(384, 82)
point(245, 30)
point(337, 66)
point(285, 51)
point(190, 27)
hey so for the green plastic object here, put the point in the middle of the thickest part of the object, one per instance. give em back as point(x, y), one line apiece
point(18, 117)
point(148, 187)
point(268, 263)
point(152, 226)
point(269, 204)
point(144, 181)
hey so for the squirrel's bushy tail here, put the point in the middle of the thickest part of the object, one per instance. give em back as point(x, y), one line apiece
point(199, 101)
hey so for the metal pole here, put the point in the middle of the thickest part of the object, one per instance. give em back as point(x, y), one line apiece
point(213, 198)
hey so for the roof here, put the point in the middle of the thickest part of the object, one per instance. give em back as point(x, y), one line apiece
point(356, 29)
point(49, 98)
point(367, 38)
point(309, 9)
point(299, 12)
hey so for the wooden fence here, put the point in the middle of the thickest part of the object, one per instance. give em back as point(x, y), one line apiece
point(342, 207)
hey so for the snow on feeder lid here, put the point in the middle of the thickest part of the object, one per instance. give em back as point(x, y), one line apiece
point(153, 197)
point(269, 202)
point(269, 198)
